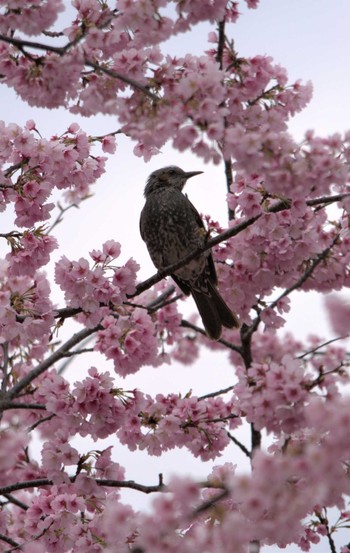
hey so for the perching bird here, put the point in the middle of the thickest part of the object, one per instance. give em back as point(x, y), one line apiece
point(172, 228)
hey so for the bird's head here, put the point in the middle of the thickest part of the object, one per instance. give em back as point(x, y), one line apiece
point(168, 176)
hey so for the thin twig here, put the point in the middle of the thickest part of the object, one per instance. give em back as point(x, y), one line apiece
point(59, 218)
point(320, 257)
point(210, 503)
point(40, 421)
point(71, 354)
point(327, 199)
point(130, 484)
point(123, 78)
point(240, 445)
point(248, 331)
point(11, 499)
point(322, 346)
point(187, 324)
point(324, 520)
point(20, 43)
point(159, 299)
point(218, 393)
point(15, 167)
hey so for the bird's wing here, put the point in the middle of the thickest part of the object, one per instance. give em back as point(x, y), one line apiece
point(199, 221)
point(182, 285)
point(141, 225)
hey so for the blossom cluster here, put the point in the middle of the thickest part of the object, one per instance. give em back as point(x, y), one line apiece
point(92, 290)
point(97, 408)
point(232, 509)
point(26, 316)
point(225, 106)
point(38, 166)
point(277, 251)
point(31, 17)
point(30, 252)
point(272, 395)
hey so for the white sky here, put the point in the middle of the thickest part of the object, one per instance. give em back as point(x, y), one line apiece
point(311, 39)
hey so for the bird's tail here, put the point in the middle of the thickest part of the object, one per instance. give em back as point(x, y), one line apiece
point(214, 311)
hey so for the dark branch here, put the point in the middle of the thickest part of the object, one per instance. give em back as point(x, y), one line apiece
point(211, 502)
point(5, 405)
point(307, 274)
point(11, 499)
point(187, 324)
point(131, 484)
point(221, 43)
point(217, 393)
point(56, 356)
point(123, 78)
point(324, 520)
point(324, 344)
point(40, 482)
point(10, 541)
point(20, 43)
point(240, 445)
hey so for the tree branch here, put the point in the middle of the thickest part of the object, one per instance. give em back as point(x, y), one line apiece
point(123, 78)
point(40, 482)
point(61, 50)
point(221, 43)
point(210, 503)
point(217, 393)
point(10, 541)
point(324, 520)
point(15, 501)
point(321, 257)
point(309, 352)
point(225, 235)
point(132, 485)
point(20, 43)
point(240, 445)
point(44, 365)
point(229, 233)
point(4, 367)
point(187, 324)
point(5, 404)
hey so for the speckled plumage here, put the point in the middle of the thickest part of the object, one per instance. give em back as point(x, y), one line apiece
point(172, 228)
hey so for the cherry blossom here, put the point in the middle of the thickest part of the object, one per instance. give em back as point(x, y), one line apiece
point(66, 363)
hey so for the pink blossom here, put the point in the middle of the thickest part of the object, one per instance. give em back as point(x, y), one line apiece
point(131, 342)
point(30, 253)
point(339, 315)
point(32, 18)
point(109, 144)
point(111, 248)
point(272, 396)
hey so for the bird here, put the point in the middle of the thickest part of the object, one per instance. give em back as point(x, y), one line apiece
point(172, 228)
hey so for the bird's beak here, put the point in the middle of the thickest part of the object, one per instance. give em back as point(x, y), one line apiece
point(190, 174)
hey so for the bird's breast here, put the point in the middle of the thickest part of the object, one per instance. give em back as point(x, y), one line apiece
point(171, 231)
